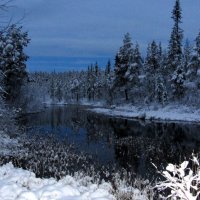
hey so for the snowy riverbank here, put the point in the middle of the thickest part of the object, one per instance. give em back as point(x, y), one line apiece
point(167, 113)
point(172, 112)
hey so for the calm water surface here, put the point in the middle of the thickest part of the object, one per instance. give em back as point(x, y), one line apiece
point(125, 143)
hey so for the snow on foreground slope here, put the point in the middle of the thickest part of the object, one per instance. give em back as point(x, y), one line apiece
point(19, 184)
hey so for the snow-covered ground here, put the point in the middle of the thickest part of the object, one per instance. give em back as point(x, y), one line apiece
point(19, 184)
point(167, 113)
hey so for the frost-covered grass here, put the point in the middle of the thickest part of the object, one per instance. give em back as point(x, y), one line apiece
point(19, 184)
point(47, 157)
point(8, 146)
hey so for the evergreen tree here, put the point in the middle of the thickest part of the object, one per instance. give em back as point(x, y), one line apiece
point(175, 43)
point(122, 63)
point(96, 69)
point(194, 64)
point(178, 80)
point(152, 67)
point(175, 56)
point(187, 55)
point(13, 60)
point(52, 90)
point(198, 45)
point(152, 59)
point(108, 68)
point(59, 93)
point(160, 90)
point(135, 67)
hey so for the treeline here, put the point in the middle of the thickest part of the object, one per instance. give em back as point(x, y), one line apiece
point(164, 75)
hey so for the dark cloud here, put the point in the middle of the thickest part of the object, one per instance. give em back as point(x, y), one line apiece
point(94, 28)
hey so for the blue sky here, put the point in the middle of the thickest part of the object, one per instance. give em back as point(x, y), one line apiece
point(95, 28)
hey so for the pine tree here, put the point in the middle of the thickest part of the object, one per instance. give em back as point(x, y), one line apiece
point(13, 61)
point(96, 69)
point(52, 91)
point(122, 63)
point(176, 68)
point(135, 67)
point(187, 55)
point(108, 68)
point(175, 43)
point(152, 59)
point(194, 64)
point(178, 80)
point(59, 93)
point(152, 67)
point(160, 90)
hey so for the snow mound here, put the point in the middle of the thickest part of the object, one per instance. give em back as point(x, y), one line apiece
point(19, 184)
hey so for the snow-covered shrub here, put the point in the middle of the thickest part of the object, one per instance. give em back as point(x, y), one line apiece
point(183, 181)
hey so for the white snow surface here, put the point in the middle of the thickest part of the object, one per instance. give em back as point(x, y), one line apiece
point(167, 113)
point(19, 184)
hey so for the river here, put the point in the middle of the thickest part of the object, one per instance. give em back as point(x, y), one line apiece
point(130, 144)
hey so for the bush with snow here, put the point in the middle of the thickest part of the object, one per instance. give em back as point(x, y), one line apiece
point(183, 181)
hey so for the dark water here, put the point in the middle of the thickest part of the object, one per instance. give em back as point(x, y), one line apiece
point(112, 141)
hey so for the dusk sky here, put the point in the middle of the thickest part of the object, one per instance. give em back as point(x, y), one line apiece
point(93, 28)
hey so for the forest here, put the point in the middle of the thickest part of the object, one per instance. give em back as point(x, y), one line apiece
point(55, 145)
point(162, 76)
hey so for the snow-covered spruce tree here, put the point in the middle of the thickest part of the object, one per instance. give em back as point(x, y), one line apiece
point(108, 83)
point(59, 93)
point(108, 68)
point(194, 63)
point(178, 80)
point(152, 65)
point(52, 90)
point(13, 61)
point(123, 61)
point(175, 65)
point(91, 78)
point(160, 89)
point(135, 66)
point(132, 75)
point(187, 55)
point(75, 89)
point(175, 43)
point(96, 69)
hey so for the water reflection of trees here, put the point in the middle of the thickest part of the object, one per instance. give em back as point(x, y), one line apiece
point(158, 143)
point(135, 143)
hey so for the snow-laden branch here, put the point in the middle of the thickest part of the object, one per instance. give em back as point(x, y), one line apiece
point(182, 180)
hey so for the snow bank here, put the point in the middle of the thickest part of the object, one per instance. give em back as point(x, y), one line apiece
point(168, 113)
point(19, 184)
